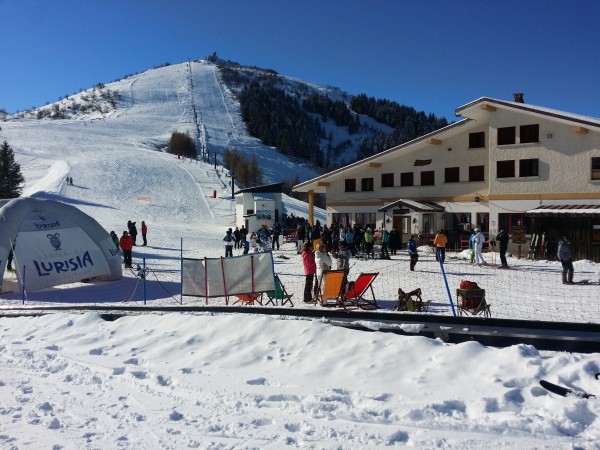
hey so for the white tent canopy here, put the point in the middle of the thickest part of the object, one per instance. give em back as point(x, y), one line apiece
point(54, 243)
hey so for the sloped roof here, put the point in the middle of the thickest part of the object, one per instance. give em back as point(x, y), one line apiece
point(565, 210)
point(474, 107)
point(264, 196)
point(413, 205)
point(276, 187)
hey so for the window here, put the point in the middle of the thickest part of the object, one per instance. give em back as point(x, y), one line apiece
point(407, 179)
point(452, 175)
point(477, 140)
point(595, 233)
point(428, 178)
point(506, 222)
point(366, 184)
point(505, 169)
point(506, 136)
point(528, 167)
point(476, 173)
point(596, 168)
point(350, 185)
point(529, 133)
point(387, 180)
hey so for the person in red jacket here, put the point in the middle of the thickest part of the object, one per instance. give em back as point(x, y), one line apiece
point(126, 244)
point(144, 232)
point(310, 269)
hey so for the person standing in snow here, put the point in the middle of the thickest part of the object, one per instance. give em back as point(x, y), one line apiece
point(411, 247)
point(478, 242)
point(238, 238)
point(300, 235)
point(229, 241)
point(132, 230)
point(439, 242)
point(323, 263)
point(385, 239)
point(126, 244)
point(395, 241)
point(144, 232)
point(564, 255)
point(276, 233)
point(472, 247)
point(502, 239)
point(310, 268)
point(115, 239)
point(9, 260)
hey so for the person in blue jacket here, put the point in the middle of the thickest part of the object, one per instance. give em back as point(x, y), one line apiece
point(411, 247)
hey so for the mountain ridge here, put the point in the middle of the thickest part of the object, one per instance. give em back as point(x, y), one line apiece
point(226, 127)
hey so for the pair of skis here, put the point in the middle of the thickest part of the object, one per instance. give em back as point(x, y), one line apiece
point(565, 391)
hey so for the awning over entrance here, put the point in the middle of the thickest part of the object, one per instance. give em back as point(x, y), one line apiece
point(412, 205)
point(564, 211)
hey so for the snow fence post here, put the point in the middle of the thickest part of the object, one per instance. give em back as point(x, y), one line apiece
point(23, 286)
point(439, 255)
point(144, 278)
point(181, 271)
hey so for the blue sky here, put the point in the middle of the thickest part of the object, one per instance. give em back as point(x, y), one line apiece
point(432, 55)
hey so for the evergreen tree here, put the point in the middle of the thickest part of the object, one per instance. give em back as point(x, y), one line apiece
point(11, 179)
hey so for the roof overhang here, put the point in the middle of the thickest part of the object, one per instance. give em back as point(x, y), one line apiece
point(412, 205)
point(564, 211)
point(479, 109)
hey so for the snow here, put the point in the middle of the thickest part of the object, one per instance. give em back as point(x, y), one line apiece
point(213, 380)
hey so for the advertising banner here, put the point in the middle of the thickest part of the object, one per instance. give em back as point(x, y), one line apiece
point(56, 251)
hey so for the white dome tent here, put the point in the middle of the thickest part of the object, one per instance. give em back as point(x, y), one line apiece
point(56, 243)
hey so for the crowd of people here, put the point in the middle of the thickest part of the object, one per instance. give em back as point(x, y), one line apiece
point(128, 240)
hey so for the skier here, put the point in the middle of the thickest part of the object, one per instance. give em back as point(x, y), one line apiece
point(478, 241)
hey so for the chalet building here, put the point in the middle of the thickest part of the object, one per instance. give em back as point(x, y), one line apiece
point(504, 165)
point(257, 206)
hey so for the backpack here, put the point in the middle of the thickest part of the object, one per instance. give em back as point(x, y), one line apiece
point(227, 237)
point(465, 284)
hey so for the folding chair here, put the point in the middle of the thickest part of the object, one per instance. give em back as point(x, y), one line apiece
point(249, 299)
point(411, 301)
point(279, 293)
point(332, 291)
point(358, 289)
point(472, 301)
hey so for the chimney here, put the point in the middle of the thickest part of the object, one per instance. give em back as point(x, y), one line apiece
point(518, 97)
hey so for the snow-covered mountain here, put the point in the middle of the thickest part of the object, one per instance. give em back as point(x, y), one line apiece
point(141, 111)
point(201, 98)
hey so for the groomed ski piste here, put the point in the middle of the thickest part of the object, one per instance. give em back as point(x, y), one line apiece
point(218, 380)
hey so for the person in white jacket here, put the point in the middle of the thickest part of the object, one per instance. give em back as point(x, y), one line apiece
point(323, 262)
point(478, 241)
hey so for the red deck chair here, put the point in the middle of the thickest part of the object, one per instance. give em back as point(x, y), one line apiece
point(358, 289)
point(249, 299)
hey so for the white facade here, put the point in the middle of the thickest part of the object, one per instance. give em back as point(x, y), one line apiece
point(501, 160)
point(258, 206)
